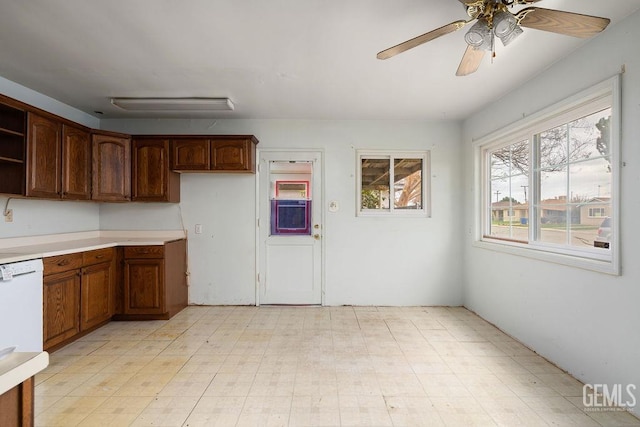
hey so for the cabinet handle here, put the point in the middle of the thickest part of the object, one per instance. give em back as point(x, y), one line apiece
point(63, 263)
point(99, 256)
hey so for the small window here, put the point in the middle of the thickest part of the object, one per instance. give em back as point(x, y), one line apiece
point(392, 183)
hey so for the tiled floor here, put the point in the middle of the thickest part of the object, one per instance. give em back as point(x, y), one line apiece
point(302, 366)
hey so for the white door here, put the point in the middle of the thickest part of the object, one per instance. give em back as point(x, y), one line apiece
point(290, 228)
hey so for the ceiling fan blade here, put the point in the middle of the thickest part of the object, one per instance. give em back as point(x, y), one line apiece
point(470, 61)
point(507, 3)
point(417, 41)
point(567, 23)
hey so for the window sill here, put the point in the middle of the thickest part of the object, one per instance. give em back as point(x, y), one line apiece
point(607, 267)
point(395, 214)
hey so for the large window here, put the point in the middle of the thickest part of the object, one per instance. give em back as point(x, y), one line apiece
point(392, 183)
point(548, 184)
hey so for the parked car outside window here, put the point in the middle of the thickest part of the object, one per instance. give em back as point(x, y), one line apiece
point(604, 231)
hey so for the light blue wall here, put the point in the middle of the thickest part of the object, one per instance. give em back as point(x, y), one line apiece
point(401, 261)
point(368, 260)
point(585, 322)
point(36, 217)
point(46, 103)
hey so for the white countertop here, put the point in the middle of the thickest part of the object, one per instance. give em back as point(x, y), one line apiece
point(24, 248)
point(17, 367)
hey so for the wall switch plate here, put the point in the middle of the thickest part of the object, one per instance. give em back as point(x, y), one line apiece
point(8, 216)
point(198, 228)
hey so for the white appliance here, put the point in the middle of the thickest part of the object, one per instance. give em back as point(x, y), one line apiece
point(21, 305)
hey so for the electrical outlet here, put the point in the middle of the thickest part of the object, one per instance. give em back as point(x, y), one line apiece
point(198, 228)
point(8, 217)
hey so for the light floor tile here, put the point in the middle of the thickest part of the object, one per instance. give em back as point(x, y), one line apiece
point(413, 411)
point(167, 411)
point(102, 384)
point(309, 366)
point(187, 384)
point(443, 385)
point(69, 411)
point(359, 410)
point(61, 384)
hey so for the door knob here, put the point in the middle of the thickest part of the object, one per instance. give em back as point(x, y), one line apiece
point(316, 236)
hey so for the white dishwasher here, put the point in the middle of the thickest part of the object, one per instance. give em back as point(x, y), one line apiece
point(21, 305)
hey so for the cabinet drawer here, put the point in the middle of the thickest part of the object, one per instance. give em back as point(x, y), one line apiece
point(97, 256)
point(144, 251)
point(60, 263)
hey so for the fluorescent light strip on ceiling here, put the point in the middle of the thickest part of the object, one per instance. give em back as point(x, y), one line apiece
point(173, 104)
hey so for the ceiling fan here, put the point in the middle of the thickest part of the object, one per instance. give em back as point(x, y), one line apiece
point(494, 20)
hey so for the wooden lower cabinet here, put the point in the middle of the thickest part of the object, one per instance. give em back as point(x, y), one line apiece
point(78, 294)
point(144, 286)
point(96, 297)
point(84, 290)
point(154, 281)
point(61, 305)
point(17, 405)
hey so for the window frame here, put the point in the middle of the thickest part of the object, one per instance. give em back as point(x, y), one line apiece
point(601, 213)
point(576, 106)
point(392, 155)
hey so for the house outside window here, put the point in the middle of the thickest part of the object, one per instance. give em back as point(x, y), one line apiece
point(392, 183)
point(547, 183)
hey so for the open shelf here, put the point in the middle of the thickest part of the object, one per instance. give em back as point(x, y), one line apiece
point(12, 149)
point(11, 160)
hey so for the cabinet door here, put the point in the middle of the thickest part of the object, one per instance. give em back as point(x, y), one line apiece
point(151, 179)
point(61, 304)
point(144, 286)
point(76, 163)
point(111, 168)
point(96, 296)
point(232, 155)
point(190, 154)
point(43, 157)
point(17, 405)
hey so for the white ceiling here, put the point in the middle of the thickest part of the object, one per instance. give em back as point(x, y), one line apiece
point(311, 59)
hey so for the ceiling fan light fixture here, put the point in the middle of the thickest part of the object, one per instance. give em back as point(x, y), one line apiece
point(504, 23)
point(479, 35)
point(511, 36)
point(173, 104)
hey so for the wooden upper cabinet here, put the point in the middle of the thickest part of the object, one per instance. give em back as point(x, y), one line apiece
point(190, 154)
point(233, 154)
point(59, 160)
point(214, 153)
point(43, 157)
point(76, 163)
point(152, 181)
point(111, 167)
